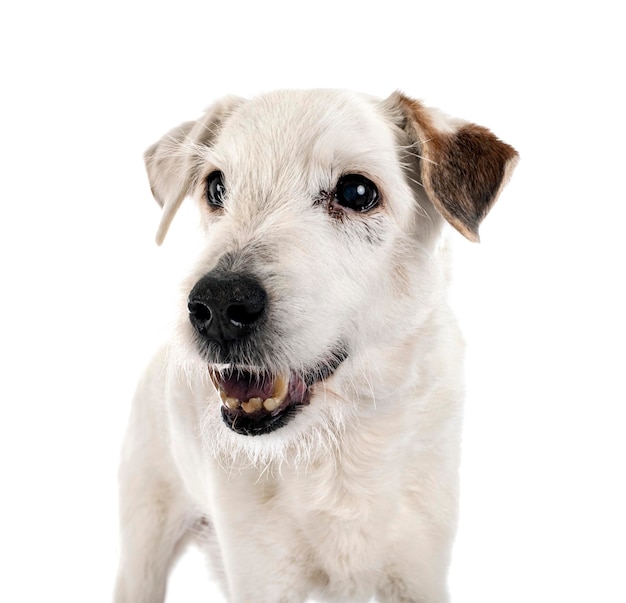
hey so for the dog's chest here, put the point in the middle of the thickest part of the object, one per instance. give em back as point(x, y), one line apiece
point(347, 516)
point(335, 519)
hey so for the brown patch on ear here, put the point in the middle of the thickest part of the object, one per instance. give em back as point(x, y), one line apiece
point(463, 168)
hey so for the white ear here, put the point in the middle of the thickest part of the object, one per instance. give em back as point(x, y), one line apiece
point(463, 166)
point(174, 162)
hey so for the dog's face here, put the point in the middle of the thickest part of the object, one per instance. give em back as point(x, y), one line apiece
point(322, 212)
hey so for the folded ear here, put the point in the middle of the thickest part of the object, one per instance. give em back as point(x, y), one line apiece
point(463, 166)
point(174, 162)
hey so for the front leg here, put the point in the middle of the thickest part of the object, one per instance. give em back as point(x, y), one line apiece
point(264, 557)
point(155, 513)
point(154, 526)
point(417, 571)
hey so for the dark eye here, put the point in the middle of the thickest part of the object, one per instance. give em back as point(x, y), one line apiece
point(356, 192)
point(215, 189)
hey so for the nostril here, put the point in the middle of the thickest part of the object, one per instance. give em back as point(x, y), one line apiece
point(242, 316)
point(199, 311)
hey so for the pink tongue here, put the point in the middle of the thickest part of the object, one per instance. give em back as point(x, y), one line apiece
point(244, 386)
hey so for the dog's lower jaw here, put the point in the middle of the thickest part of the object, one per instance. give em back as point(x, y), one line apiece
point(248, 425)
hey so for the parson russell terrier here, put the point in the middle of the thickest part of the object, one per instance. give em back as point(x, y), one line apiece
point(303, 423)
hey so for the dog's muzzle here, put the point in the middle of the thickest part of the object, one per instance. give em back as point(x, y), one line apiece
point(227, 311)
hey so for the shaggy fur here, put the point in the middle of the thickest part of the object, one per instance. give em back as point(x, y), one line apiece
point(354, 495)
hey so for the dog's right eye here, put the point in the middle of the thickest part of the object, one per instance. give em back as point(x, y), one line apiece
point(215, 189)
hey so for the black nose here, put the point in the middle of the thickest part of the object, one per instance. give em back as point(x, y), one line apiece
point(225, 308)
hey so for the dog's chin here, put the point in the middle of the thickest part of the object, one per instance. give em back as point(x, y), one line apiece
point(257, 401)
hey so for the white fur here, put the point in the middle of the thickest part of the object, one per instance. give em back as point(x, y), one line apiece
point(356, 497)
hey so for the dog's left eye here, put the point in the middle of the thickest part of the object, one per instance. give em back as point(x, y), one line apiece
point(215, 189)
point(356, 192)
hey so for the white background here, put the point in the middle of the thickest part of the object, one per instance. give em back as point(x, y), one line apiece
point(86, 295)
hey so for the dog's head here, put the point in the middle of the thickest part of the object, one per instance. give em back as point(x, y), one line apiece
point(323, 212)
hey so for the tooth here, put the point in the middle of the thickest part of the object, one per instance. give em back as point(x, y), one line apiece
point(256, 403)
point(232, 403)
point(252, 405)
point(271, 404)
point(280, 388)
point(215, 379)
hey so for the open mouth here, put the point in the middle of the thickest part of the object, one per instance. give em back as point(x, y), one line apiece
point(257, 402)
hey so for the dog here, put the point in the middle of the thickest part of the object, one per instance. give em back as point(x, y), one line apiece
point(303, 423)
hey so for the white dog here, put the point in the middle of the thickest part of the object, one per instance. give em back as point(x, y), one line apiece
point(303, 423)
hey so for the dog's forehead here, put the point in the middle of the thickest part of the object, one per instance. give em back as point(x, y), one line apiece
point(308, 127)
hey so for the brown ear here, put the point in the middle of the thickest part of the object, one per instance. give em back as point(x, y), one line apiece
point(463, 166)
point(173, 163)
